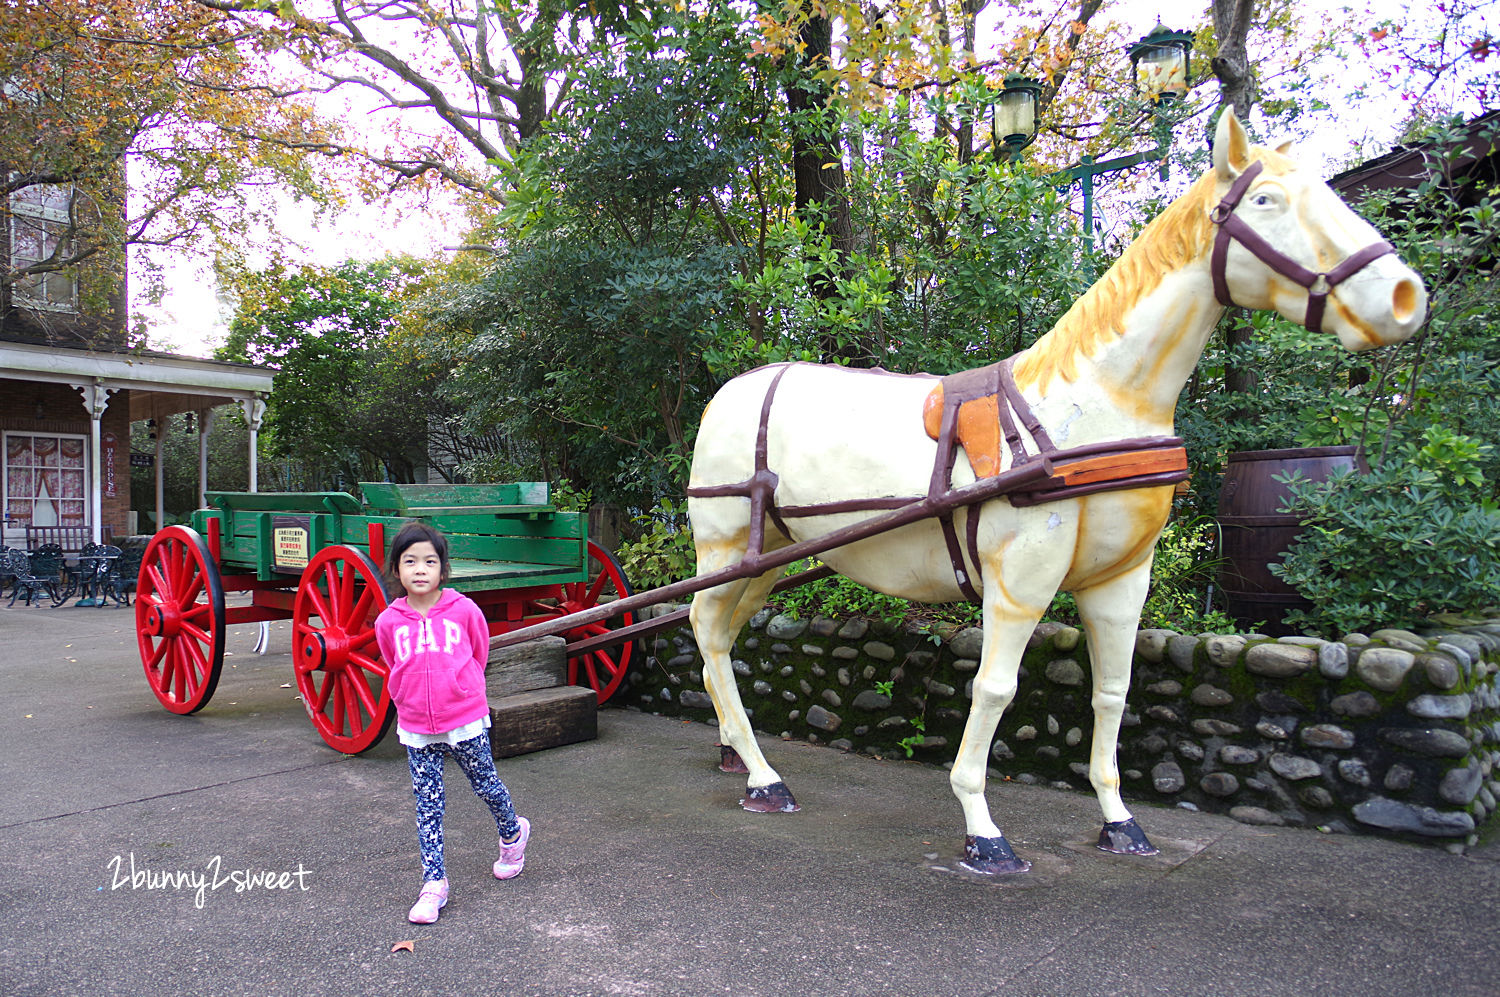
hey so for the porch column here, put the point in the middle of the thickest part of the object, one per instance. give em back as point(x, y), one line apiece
point(205, 426)
point(96, 400)
point(161, 489)
point(254, 410)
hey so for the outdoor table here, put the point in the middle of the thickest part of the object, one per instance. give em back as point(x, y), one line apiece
point(91, 571)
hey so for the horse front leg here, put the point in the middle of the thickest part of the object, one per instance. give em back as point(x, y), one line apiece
point(1111, 612)
point(1011, 612)
point(717, 616)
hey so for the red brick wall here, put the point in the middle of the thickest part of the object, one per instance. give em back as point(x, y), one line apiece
point(63, 412)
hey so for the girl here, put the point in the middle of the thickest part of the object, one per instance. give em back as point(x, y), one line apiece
point(436, 644)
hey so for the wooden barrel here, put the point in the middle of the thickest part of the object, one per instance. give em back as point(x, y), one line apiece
point(1254, 533)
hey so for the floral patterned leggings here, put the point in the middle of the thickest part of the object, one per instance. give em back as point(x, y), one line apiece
point(473, 756)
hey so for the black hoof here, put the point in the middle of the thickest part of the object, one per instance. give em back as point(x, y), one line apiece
point(730, 760)
point(991, 857)
point(772, 799)
point(1125, 837)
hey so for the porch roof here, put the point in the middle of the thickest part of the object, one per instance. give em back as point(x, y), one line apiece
point(160, 384)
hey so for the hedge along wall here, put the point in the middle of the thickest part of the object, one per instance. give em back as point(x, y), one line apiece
point(1393, 733)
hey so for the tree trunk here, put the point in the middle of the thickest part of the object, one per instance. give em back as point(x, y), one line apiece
point(1237, 92)
point(817, 160)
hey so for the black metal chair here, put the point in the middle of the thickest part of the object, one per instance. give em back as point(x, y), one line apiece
point(49, 565)
point(123, 574)
point(32, 578)
point(95, 573)
point(7, 573)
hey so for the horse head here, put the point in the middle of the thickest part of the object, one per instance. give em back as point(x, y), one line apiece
point(1285, 241)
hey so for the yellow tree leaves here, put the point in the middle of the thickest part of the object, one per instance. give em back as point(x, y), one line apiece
point(165, 98)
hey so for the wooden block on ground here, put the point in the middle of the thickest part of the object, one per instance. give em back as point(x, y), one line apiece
point(536, 664)
point(542, 718)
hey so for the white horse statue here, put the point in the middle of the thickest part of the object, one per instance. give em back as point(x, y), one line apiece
point(797, 451)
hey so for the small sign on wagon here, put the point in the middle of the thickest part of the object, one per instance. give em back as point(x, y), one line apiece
point(290, 548)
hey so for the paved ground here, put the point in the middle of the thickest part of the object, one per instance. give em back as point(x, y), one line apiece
point(643, 876)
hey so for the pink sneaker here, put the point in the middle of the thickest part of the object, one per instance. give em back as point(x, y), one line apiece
point(431, 900)
point(513, 855)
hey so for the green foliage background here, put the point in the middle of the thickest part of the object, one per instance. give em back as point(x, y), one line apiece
point(651, 246)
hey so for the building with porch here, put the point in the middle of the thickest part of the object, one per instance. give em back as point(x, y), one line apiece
point(65, 416)
point(71, 385)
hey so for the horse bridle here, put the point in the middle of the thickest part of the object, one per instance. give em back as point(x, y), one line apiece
point(1232, 227)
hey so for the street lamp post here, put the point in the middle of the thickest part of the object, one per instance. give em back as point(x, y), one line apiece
point(1014, 120)
point(1159, 73)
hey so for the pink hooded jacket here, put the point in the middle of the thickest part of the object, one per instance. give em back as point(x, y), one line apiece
point(437, 662)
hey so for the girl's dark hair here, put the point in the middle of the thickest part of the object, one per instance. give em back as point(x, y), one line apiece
point(414, 533)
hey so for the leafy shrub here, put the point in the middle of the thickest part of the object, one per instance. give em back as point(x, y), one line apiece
point(664, 552)
point(1390, 547)
point(838, 596)
point(1180, 577)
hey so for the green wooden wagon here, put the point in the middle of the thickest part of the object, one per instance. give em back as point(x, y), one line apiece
point(314, 558)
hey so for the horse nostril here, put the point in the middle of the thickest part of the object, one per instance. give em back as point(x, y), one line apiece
point(1404, 300)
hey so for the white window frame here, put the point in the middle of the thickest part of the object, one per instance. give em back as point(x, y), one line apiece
point(18, 531)
point(42, 217)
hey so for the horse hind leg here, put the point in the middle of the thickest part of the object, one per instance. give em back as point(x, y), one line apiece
point(717, 616)
point(1110, 613)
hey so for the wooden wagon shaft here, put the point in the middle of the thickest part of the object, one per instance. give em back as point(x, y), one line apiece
point(646, 628)
point(925, 508)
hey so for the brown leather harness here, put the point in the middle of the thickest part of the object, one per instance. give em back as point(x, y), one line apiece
point(1077, 471)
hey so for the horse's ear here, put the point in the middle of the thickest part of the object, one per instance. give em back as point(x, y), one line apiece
point(1231, 147)
point(1285, 148)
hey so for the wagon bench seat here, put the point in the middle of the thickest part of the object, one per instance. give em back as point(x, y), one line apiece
point(479, 510)
point(460, 570)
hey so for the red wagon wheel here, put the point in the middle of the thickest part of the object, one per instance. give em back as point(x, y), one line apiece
point(339, 672)
point(179, 619)
point(603, 669)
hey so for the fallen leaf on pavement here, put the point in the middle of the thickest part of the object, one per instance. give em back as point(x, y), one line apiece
point(406, 946)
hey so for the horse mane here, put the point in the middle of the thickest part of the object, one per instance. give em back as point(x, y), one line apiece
point(1173, 239)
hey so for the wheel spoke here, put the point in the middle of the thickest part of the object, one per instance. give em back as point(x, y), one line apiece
point(158, 582)
point(346, 591)
point(611, 667)
point(361, 610)
point(332, 596)
point(338, 705)
point(156, 656)
point(363, 639)
point(588, 666)
point(179, 674)
point(199, 609)
point(369, 664)
point(189, 595)
point(361, 715)
point(361, 690)
point(320, 693)
point(196, 654)
point(592, 598)
point(197, 633)
point(319, 606)
point(182, 566)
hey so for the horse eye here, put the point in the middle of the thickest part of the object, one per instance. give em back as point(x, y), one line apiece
point(1262, 200)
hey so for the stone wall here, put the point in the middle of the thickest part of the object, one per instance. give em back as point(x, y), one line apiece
point(1393, 733)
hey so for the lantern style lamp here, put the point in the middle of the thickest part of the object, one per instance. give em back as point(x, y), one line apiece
point(1014, 120)
point(1160, 63)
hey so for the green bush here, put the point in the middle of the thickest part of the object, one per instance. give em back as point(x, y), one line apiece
point(1390, 548)
point(663, 553)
